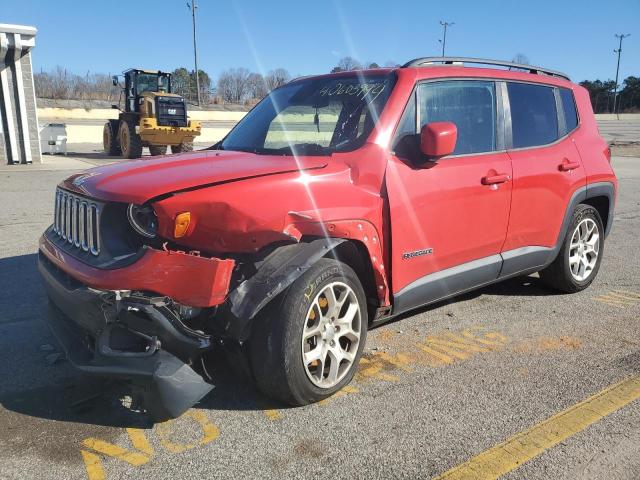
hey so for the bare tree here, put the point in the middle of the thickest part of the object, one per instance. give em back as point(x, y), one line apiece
point(256, 86)
point(347, 64)
point(520, 58)
point(276, 78)
point(233, 85)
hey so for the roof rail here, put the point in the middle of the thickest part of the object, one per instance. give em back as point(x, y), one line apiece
point(420, 62)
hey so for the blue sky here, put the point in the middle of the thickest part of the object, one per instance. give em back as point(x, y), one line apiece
point(307, 37)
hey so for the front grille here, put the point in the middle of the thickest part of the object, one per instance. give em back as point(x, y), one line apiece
point(77, 221)
point(171, 111)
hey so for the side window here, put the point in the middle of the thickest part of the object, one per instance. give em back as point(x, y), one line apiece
point(534, 118)
point(569, 107)
point(469, 104)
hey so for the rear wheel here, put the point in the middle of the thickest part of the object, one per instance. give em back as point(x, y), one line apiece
point(158, 150)
point(183, 147)
point(578, 261)
point(110, 138)
point(308, 343)
point(130, 141)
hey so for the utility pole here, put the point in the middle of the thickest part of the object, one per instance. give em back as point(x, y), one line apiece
point(444, 36)
point(615, 92)
point(192, 6)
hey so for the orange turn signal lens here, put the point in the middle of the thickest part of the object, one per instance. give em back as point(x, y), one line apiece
point(182, 224)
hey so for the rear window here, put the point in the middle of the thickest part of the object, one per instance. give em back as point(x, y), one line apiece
point(534, 118)
point(569, 107)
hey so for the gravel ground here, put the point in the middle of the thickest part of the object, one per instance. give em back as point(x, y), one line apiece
point(409, 414)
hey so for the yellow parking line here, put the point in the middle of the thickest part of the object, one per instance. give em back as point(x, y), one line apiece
point(524, 446)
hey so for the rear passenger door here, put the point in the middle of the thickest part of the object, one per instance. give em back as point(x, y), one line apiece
point(448, 218)
point(546, 170)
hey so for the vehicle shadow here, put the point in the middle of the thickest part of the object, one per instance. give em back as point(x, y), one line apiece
point(37, 381)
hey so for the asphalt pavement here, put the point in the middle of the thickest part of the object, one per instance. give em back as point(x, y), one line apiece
point(513, 378)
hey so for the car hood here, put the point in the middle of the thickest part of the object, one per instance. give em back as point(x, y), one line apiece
point(138, 181)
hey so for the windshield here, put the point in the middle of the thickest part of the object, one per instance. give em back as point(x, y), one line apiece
point(315, 116)
point(148, 82)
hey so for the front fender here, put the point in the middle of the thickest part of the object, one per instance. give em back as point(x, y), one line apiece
point(279, 270)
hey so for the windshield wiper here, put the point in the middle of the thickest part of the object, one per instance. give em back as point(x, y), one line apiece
point(304, 149)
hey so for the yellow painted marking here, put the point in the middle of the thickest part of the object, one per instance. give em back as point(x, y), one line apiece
point(141, 455)
point(466, 343)
point(440, 345)
point(439, 356)
point(209, 432)
point(619, 298)
point(615, 302)
point(272, 414)
point(526, 445)
point(628, 293)
point(93, 465)
point(399, 360)
point(375, 371)
point(346, 390)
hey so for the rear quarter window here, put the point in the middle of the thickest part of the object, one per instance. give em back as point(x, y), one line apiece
point(569, 108)
point(534, 118)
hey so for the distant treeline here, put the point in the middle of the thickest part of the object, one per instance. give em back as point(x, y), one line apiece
point(602, 94)
point(234, 86)
point(243, 87)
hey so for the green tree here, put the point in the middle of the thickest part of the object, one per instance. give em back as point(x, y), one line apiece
point(630, 95)
point(601, 94)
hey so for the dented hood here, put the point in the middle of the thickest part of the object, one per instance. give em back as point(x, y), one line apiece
point(137, 181)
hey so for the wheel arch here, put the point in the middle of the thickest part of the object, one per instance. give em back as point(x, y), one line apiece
point(601, 196)
point(284, 265)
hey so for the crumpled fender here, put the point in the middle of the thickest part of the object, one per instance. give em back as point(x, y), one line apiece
point(283, 267)
point(303, 224)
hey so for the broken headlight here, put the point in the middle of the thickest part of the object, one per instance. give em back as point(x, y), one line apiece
point(143, 219)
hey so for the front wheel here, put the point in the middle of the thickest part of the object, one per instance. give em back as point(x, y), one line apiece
point(130, 141)
point(183, 147)
point(578, 260)
point(156, 150)
point(308, 343)
point(110, 138)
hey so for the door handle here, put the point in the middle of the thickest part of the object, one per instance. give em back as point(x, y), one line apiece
point(567, 166)
point(494, 179)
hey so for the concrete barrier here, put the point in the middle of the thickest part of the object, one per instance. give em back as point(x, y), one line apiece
point(85, 125)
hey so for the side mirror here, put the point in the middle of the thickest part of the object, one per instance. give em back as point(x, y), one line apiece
point(115, 107)
point(114, 80)
point(438, 139)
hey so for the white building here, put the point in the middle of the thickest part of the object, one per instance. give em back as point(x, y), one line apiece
point(19, 137)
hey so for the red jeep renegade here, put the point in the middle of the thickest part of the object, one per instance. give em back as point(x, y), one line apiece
point(337, 203)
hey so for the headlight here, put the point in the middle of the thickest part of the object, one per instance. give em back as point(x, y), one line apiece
point(143, 219)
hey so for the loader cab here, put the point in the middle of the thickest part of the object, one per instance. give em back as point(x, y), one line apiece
point(137, 82)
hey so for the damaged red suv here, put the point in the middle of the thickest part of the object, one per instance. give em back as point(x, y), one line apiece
point(339, 202)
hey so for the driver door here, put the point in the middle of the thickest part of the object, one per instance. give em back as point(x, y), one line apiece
point(448, 217)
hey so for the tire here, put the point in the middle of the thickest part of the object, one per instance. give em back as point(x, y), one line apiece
point(183, 147)
point(110, 138)
point(585, 241)
point(276, 344)
point(130, 141)
point(156, 150)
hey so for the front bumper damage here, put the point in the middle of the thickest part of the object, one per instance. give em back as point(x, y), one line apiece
point(131, 335)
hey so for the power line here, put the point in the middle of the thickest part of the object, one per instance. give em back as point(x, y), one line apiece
point(192, 6)
point(444, 36)
point(618, 51)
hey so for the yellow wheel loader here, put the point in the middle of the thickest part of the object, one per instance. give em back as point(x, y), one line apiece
point(152, 117)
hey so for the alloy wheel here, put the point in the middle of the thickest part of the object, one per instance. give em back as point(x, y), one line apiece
point(583, 250)
point(331, 335)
